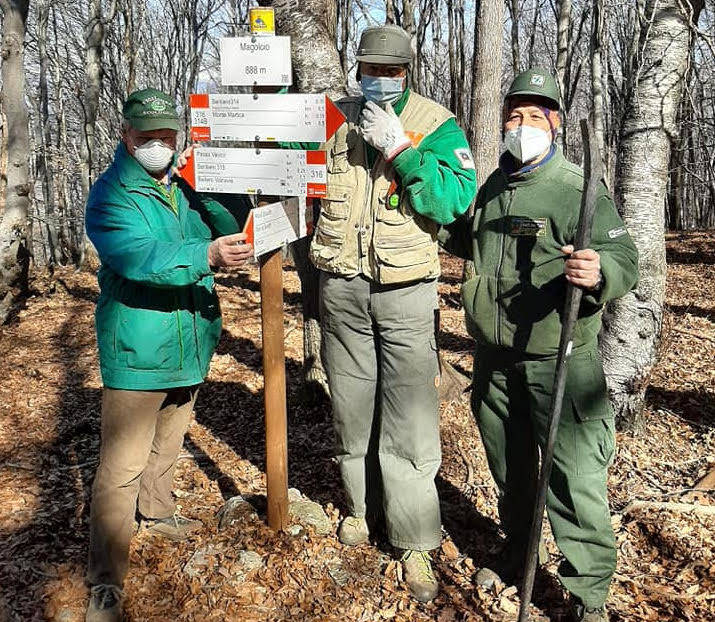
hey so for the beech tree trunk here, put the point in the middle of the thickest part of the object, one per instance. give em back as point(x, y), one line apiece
point(94, 75)
point(562, 55)
point(515, 47)
point(597, 81)
point(632, 324)
point(44, 139)
point(486, 103)
point(311, 24)
point(14, 223)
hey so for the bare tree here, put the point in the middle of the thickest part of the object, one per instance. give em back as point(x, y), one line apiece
point(316, 64)
point(14, 246)
point(514, 15)
point(562, 45)
point(633, 323)
point(485, 102)
point(597, 79)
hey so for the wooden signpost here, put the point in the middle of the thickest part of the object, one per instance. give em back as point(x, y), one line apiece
point(261, 61)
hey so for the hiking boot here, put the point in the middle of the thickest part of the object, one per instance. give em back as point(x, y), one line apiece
point(175, 527)
point(510, 567)
point(353, 530)
point(105, 604)
point(419, 576)
point(581, 613)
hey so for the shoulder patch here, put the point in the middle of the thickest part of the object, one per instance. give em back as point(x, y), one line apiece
point(464, 155)
point(617, 232)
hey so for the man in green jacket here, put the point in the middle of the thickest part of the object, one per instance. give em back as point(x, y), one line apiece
point(399, 167)
point(158, 323)
point(520, 240)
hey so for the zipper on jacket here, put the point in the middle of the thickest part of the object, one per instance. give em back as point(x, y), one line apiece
point(181, 335)
point(368, 201)
point(502, 248)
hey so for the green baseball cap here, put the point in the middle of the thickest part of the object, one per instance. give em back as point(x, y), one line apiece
point(385, 45)
point(536, 82)
point(149, 109)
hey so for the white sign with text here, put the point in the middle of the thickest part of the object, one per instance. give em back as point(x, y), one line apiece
point(256, 61)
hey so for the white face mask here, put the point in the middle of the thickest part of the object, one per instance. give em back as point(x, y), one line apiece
point(526, 143)
point(154, 155)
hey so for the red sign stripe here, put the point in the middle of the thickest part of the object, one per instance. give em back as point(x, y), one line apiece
point(199, 100)
point(200, 133)
point(317, 190)
point(316, 157)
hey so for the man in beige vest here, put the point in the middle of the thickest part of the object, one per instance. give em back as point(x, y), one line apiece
point(398, 168)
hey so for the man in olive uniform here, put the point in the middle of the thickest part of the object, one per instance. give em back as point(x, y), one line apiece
point(520, 240)
point(399, 167)
point(158, 322)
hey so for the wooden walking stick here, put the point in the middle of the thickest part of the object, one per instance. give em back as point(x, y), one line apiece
point(592, 176)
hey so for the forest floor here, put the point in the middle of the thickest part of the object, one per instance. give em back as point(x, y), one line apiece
point(49, 441)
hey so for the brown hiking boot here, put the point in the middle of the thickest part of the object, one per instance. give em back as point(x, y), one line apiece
point(175, 527)
point(581, 613)
point(105, 604)
point(510, 567)
point(353, 530)
point(419, 576)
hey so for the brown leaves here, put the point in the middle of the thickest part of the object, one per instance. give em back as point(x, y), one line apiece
point(49, 436)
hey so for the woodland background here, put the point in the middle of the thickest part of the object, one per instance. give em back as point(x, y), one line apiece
point(641, 70)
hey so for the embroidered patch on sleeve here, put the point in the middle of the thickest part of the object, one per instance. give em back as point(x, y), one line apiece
point(465, 158)
point(617, 232)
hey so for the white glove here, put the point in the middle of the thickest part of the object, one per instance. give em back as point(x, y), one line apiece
point(382, 129)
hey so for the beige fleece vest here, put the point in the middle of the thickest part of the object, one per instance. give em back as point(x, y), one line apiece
point(358, 232)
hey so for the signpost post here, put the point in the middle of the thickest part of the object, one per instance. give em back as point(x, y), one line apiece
point(261, 61)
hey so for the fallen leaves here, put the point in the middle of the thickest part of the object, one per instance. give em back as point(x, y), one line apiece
point(49, 440)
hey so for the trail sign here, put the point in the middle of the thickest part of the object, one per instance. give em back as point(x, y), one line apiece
point(266, 117)
point(256, 61)
point(271, 226)
point(257, 171)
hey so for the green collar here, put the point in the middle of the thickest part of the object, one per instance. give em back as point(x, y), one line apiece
point(535, 175)
point(400, 104)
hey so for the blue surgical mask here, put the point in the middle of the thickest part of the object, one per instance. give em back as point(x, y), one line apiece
point(381, 89)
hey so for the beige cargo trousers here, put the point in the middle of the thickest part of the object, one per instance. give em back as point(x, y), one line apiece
point(380, 354)
point(142, 435)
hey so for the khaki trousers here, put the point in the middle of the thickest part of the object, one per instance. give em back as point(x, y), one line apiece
point(380, 355)
point(142, 434)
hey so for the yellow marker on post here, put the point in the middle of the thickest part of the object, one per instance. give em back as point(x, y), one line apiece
point(263, 20)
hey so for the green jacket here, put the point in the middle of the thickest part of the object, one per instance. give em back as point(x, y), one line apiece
point(158, 319)
point(521, 222)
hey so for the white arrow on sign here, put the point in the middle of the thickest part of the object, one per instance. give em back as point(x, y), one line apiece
point(265, 117)
point(249, 61)
point(271, 226)
point(284, 172)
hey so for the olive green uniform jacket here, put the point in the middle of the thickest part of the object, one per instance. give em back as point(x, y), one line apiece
point(521, 222)
point(513, 307)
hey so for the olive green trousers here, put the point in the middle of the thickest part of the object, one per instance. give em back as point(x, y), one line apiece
point(380, 355)
point(511, 400)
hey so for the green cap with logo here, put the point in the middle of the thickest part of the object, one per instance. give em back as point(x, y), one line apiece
point(536, 82)
point(150, 109)
point(385, 45)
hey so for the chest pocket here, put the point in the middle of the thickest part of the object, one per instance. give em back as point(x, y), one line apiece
point(338, 160)
point(336, 204)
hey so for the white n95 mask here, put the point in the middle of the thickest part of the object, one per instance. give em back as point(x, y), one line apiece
point(154, 155)
point(526, 142)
